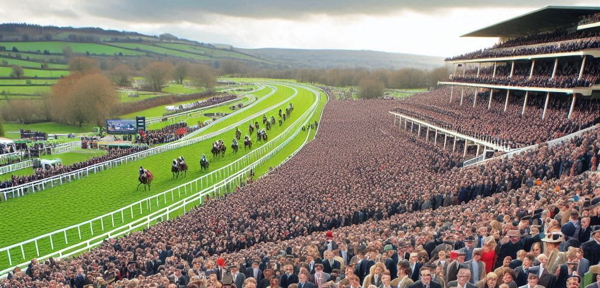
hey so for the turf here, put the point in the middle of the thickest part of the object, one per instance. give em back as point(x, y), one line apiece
point(56, 47)
point(110, 190)
point(35, 73)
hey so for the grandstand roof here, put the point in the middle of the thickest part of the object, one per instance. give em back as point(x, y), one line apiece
point(544, 19)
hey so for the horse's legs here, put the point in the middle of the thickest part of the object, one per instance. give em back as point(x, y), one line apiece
point(138, 187)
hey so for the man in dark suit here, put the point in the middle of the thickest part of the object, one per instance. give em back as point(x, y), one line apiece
point(288, 277)
point(591, 249)
point(254, 271)
point(238, 278)
point(571, 228)
point(585, 230)
point(463, 279)
point(329, 263)
point(304, 283)
point(415, 267)
point(425, 281)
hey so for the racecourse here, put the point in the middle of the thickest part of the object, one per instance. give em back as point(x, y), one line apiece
point(98, 194)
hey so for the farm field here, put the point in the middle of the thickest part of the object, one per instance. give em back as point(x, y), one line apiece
point(209, 51)
point(28, 81)
point(27, 90)
point(56, 47)
point(34, 73)
point(121, 189)
point(30, 64)
point(159, 50)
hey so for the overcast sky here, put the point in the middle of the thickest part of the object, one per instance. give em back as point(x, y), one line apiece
point(426, 27)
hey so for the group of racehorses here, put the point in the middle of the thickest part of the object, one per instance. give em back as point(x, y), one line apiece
point(179, 165)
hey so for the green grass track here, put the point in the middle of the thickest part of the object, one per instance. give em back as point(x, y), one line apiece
point(98, 194)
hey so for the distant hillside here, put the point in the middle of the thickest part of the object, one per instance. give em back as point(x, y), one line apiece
point(303, 58)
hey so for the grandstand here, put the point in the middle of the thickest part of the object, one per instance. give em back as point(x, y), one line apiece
point(544, 71)
point(367, 194)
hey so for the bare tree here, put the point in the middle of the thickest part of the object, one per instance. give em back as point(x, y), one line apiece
point(203, 76)
point(17, 72)
point(92, 99)
point(181, 72)
point(370, 88)
point(121, 75)
point(83, 65)
point(158, 74)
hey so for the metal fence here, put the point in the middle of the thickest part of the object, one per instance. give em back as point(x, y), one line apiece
point(16, 166)
point(36, 186)
point(233, 175)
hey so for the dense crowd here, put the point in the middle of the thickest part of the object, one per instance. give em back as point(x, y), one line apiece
point(59, 169)
point(544, 44)
point(567, 74)
point(388, 196)
point(200, 104)
point(589, 19)
point(167, 134)
point(508, 128)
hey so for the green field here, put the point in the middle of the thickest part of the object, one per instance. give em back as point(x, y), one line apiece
point(219, 53)
point(55, 47)
point(28, 90)
point(25, 81)
point(32, 64)
point(182, 89)
point(48, 127)
point(34, 73)
point(116, 190)
point(77, 155)
point(159, 50)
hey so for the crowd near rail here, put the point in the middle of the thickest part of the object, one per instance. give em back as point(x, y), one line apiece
point(57, 169)
point(567, 75)
point(589, 19)
point(167, 134)
point(494, 125)
point(367, 203)
point(555, 42)
point(201, 104)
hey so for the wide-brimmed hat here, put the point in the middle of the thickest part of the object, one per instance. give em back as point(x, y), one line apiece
point(554, 237)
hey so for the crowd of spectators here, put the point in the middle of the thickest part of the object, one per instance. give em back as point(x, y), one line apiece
point(589, 19)
point(567, 74)
point(388, 196)
point(167, 134)
point(200, 104)
point(540, 44)
point(40, 173)
point(505, 128)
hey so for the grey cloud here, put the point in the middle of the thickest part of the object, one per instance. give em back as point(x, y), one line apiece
point(196, 11)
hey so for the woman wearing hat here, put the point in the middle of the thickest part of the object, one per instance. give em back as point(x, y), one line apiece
point(591, 249)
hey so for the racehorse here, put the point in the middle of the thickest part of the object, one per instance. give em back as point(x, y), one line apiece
point(218, 147)
point(247, 142)
point(204, 164)
point(256, 125)
point(183, 167)
point(272, 120)
point(265, 119)
point(175, 170)
point(234, 146)
point(268, 126)
point(250, 129)
point(261, 135)
point(238, 134)
point(145, 179)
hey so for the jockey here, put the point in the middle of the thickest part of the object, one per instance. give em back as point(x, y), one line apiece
point(175, 162)
point(142, 171)
point(203, 159)
point(235, 142)
point(181, 159)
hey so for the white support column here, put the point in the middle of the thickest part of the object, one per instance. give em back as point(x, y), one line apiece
point(427, 135)
point(454, 145)
point(464, 69)
point(494, 73)
point(491, 97)
point(512, 69)
point(478, 69)
point(445, 139)
point(435, 139)
point(455, 68)
point(462, 94)
point(477, 154)
point(419, 131)
point(475, 98)
point(466, 146)
point(572, 105)
point(525, 103)
point(581, 70)
point(532, 66)
point(546, 105)
point(451, 93)
point(506, 102)
point(405, 124)
point(555, 68)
